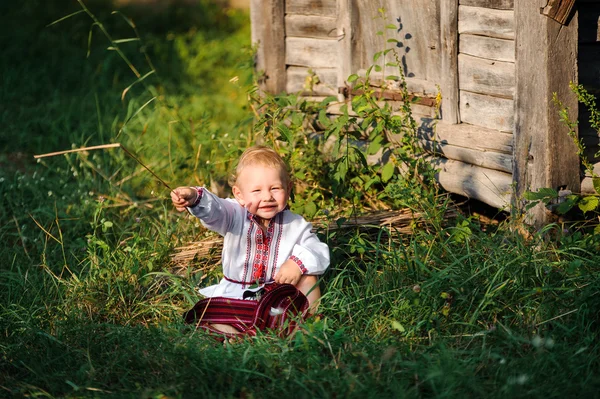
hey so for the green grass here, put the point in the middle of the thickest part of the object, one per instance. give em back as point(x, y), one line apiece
point(90, 301)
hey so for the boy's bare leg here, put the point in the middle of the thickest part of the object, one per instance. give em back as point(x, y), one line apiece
point(309, 286)
point(226, 328)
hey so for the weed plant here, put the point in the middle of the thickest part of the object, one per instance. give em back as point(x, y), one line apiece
point(90, 301)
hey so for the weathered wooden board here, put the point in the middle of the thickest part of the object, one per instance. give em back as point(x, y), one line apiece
point(326, 8)
point(558, 10)
point(490, 186)
point(299, 80)
point(344, 31)
point(267, 21)
point(545, 155)
point(486, 22)
point(310, 26)
point(449, 59)
point(416, 86)
point(487, 111)
point(468, 136)
point(416, 27)
point(489, 160)
point(315, 53)
point(498, 4)
point(487, 47)
point(486, 77)
point(587, 186)
point(419, 111)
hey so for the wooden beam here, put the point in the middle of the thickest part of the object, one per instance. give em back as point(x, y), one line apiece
point(268, 32)
point(390, 95)
point(344, 32)
point(546, 61)
point(486, 22)
point(310, 26)
point(487, 111)
point(480, 75)
point(313, 53)
point(498, 4)
point(490, 186)
point(449, 73)
point(559, 10)
point(487, 47)
point(325, 8)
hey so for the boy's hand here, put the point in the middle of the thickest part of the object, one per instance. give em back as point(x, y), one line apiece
point(183, 197)
point(289, 273)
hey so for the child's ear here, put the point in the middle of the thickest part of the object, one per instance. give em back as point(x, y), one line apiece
point(238, 195)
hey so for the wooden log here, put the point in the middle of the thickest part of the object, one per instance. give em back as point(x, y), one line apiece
point(315, 53)
point(419, 111)
point(420, 87)
point(268, 33)
point(490, 186)
point(559, 10)
point(468, 136)
point(487, 47)
point(483, 76)
point(325, 8)
point(497, 4)
point(321, 82)
point(587, 186)
point(486, 159)
point(449, 55)
point(487, 111)
point(310, 26)
point(486, 22)
point(344, 31)
point(545, 155)
point(392, 95)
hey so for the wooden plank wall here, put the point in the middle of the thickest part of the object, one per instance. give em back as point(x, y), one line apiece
point(486, 63)
point(312, 47)
point(417, 25)
point(475, 138)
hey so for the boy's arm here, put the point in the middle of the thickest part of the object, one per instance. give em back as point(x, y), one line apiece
point(216, 213)
point(309, 253)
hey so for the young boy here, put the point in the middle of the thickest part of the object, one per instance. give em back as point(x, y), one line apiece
point(264, 241)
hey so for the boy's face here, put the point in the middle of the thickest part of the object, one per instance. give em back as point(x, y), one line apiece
point(262, 190)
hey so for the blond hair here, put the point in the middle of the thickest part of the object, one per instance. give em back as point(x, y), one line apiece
point(260, 155)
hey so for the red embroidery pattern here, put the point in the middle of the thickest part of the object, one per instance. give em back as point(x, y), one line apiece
point(266, 250)
point(299, 263)
point(277, 236)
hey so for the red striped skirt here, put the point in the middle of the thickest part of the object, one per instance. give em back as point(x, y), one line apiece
point(279, 308)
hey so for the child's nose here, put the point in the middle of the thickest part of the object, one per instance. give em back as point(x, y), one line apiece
point(267, 196)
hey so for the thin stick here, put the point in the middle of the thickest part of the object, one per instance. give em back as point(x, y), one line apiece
point(101, 147)
point(147, 168)
point(96, 147)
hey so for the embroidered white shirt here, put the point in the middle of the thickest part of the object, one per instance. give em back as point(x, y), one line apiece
point(251, 254)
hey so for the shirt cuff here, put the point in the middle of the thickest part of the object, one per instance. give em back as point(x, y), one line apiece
point(198, 198)
point(299, 263)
